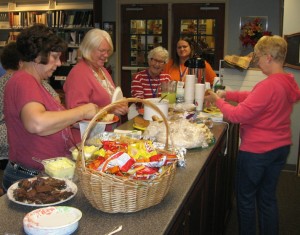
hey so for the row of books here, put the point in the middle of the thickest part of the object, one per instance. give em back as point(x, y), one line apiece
point(56, 19)
point(73, 38)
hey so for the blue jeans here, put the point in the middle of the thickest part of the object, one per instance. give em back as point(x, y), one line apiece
point(256, 181)
point(11, 175)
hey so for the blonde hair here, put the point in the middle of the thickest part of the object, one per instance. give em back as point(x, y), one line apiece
point(159, 51)
point(275, 46)
point(92, 40)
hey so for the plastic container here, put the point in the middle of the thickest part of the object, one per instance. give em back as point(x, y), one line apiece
point(163, 105)
point(60, 167)
point(61, 220)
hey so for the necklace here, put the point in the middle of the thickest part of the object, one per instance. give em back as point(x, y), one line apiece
point(104, 82)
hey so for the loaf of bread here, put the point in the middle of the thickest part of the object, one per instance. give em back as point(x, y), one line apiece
point(157, 118)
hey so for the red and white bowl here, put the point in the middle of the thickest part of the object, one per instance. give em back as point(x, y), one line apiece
point(52, 220)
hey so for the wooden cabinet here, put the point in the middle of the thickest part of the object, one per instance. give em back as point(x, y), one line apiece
point(207, 208)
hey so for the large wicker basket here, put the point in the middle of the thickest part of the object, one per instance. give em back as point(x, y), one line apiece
point(114, 194)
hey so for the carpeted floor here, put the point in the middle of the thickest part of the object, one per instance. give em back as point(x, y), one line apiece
point(288, 195)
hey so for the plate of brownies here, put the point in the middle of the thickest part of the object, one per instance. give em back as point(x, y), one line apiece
point(41, 191)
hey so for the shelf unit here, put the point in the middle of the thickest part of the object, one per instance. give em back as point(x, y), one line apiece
point(60, 19)
point(69, 19)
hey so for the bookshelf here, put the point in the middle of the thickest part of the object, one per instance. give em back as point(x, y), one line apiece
point(69, 19)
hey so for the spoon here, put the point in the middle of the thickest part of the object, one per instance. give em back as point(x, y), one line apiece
point(162, 98)
point(115, 230)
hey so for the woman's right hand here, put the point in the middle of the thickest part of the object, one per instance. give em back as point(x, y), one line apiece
point(221, 93)
point(89, 110)
point(120, 109)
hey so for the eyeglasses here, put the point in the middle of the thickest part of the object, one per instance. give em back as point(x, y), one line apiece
point(104, 51)
point(256, 57)
point(160, 62)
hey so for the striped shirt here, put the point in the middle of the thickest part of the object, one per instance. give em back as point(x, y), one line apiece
point(143, 86)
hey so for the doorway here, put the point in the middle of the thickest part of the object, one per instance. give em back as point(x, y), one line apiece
point(204, 23)
point(144, 26)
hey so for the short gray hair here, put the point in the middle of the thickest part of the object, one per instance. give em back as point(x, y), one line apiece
point(274, 45)
point(91, 41)
point(160, 52)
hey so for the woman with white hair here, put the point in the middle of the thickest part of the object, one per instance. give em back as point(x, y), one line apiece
point(89, 81)
point(146, 83)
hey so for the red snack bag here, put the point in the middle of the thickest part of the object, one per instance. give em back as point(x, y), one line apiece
point(155, 158)
point(114, 146)
point(158, 160)
point(171, 158)
point(120, 159)
point(146, 173)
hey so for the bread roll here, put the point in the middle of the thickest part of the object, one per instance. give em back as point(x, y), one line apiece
point(140, 122)
point(108, 117)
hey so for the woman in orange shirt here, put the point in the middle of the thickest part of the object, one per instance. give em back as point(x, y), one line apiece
point(175, 67)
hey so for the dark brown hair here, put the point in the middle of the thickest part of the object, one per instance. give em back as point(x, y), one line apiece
point(191, 42)
point(39, 40)
point(10, 57)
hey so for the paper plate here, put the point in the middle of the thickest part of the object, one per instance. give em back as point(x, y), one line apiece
point(71, 187)
point(117, 95)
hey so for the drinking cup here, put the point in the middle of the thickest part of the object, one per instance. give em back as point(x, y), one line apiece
point(168, 89)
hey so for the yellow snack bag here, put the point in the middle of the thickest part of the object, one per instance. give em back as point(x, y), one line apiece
point(101, 152)
point(141, 150)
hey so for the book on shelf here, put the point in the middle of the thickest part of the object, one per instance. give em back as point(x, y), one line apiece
point(12, 36)
point(55, 19)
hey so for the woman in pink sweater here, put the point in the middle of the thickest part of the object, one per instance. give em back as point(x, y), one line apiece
point(89, 81)
point(265, 131)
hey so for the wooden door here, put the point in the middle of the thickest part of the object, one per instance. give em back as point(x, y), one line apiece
point(143, 27)
point(205, 23)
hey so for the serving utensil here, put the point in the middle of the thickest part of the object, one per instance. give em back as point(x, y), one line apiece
point(115, 230)
point(162, 98)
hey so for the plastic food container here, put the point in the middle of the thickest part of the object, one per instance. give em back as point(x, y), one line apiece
point(60, 167)
point(163, 105)
point(62, 220)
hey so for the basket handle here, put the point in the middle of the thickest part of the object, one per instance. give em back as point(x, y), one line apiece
point(110, 106)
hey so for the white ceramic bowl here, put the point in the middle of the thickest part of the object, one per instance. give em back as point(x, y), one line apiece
point(53, 220)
